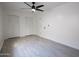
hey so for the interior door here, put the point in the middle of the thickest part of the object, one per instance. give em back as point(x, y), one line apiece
point(13, 26)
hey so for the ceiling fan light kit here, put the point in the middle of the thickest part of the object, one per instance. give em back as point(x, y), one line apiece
point(34, 8)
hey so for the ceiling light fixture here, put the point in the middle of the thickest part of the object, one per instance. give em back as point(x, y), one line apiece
point(33, 10)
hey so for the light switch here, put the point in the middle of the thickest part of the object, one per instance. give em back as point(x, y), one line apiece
point(48, 25)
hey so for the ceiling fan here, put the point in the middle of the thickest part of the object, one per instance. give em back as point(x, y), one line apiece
point(34, 8)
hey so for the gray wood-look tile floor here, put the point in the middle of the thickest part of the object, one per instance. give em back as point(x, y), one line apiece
point(35, 46)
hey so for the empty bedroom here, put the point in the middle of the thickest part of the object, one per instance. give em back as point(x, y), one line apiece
point(39, 29)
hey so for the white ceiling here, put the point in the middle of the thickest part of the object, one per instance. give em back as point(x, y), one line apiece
point(22, 7)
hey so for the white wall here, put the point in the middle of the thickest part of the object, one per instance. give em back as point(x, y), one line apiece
point(1, 33)
point(61, 24)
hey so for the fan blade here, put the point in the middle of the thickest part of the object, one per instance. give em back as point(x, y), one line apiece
point(39, 6)
point(39, 10)
point(27, 4)
point(25, 8)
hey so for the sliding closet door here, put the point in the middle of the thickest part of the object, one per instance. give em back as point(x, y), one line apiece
point(13, 26)
point(25, 26)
